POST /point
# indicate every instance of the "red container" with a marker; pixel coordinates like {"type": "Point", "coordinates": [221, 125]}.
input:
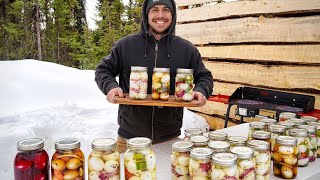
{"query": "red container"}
{"type": "Point", "coordinates": [32, 161]}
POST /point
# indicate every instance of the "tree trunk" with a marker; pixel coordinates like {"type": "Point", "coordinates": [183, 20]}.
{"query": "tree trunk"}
{"type": "Point", "coordinates": [38, 31]}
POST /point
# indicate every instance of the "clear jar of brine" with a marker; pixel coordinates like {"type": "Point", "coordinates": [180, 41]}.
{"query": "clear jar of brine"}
{"type": "Point", "coordinates": [284, 116]}
{"type": "Point", "coordinates": [317, 126]}
{"type": "Point", "coordinates": [313, 141]}
{"type": "Point", "coordinates": [246, 163]}
{"type": "Point", "coordinates": [262, 158]}
{"type": "Point", "coordinates": [138, 82]}
{"type": "Point", "coordinates": [104, 160]}
{"type": "Point", "coordinates": [189, 132]}
{"type": "Point", "coordinates": [285, 157]}
{"type": "Point", "coordinates": [303, 144]}
{"type": "Point", "coordinates": [255, 126]}
{"type": "Point", "coordinates": [224, 166]}
{"type": "Point", "coordinates": [199, 141]}
{"type": "Point", "coordinates": [200, 163]}
{"type": "Point", "coordinates": [217, 136]}
{"type": "Point", "coordinates": [180, 158]}
{"type": "Point", "coordinates": [161, 83]}
{"type": "Point", "coordinates": [184, 85]}
{"type": "Point", "coordinates": [219, 146]}
{"type": "Point", "coordinates": [276, 130]}
{"type": "Point", "coordinates": [139, 159]}
{"type": "Point", "coordinates": [237, 141]}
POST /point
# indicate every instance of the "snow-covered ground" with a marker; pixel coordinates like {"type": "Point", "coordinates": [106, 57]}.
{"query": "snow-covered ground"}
{"type": "Point", "coordinates": [51, 101]}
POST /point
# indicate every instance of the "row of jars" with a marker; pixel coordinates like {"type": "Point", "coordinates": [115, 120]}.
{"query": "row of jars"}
{"type": "Point", "coordinates": [161, 83]}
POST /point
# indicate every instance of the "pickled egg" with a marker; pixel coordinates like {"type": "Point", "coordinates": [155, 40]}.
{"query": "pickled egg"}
{"type": "Point", "coordinates": [187, 97]}
{"type": "Point", "coordinates": [302, 148]}
{"type": "Point", "coordinates": [146, 175]}
{"type": "Point", "coordinates": [277, 156]}
{"type": "Point", "coordinates": [128, 156]}
{"type": "Point", "coordinates": [194, 164]}
{"type": "Point", "coordinates": [58, 164]}
{"type": "Point", "coordinates": [182, 170]}
{"type": "Point", "coordinates": [246, 163]}
{"type": "Point", "coordinates": [262, 169]}
{"type": "Point", "coordinates": [111, 156]}
{"type": "Point", "coordinates": [111, 166]}
{"type": "Point", "coordinates": [164, 96]}
{"type": "Point", "coordinates": [217, 174]}
{"type": "Point", "coordinates": [291, 161]}
{"type": "Point", "coordinates": [231, 170]}
{"type": "Point", "coordinates": [134, 76]}
{"type": "Point", "coordinates": [94, 175]}
{"type": "Point", "coordinates": [73, 163]}
{"type": "Point", "coordinates": [142, 95]}
{"type": "Point", "coordinates": [96, 154]}
{"type": "Point", "coordinates": [70, 174]}
{"type": "Point", "coordinates": [286, 149]}
{"type": "Point", "coordinates": [144, 76]}
{"type": "Point", "coordinates": [286, 172]}
{"type": "Point", "coordinates": [165, 78]}
{"type": "Point", "coordinates": [158, 75]}
{"type": "Point", "coordinates": [262, 158]}
{"type": "Point", "coordinates": [186, 177]}
{"type": "Point", "coordinates": [96, 163]}
{"type": "Point", "coordinates": [131, 167]}
{"type": "Point", "coordinates": [183, 160]}
{"type": "Point", "coordinates": [174, 160]}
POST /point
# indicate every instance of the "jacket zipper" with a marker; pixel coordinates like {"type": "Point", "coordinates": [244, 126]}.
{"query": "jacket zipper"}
{"type": "Point", "coordinates": [156, 48]}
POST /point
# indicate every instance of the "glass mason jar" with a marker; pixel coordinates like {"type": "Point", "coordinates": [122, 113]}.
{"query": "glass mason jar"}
{"type": "Point", "coordinates": [284, 116]}
{"type": "Point", "coordinates": [285, 157]}
{"type": "Point", "coordinates": [303, 144]}
{"type": "Point", "coordinates": [199, 141]}
{"type": "Point", "coordinates": [268, 122]}
{"type": "Point", "coordinates": [161, 83]}
{"type": "Point", "coordinates": [245, 162]}
{"type": "Point", "coordinates": [139, 159]}
{"type": "Point", "coordinates": [261, 135]}
{"type": "Point", "coordinates": [138, 82]}
{"type": "Point", "coordinates": [297, 121]}
{"type": "Point", "coordinates": [288, 125]}
{"type": "Point", "coordinates": [237, 141]}
{"type": "Point", "coordinates": [313, 141]}
{"type": "Point", "coordinates": [217, 136]}
{"type": "Point", "coordinates": [200, 163]}
{"type": "Point", "coordinates": [104, 160]}
{"type": "Point", "coordinates": [219, 146]}
{"type": "Point", "coordinates": [189, 132]}
{"type": "Point", "coordinates": [224, 166]}
{"type": "Point", "coordinates": [262, 157]}
{"type": "Point", "coordinates": [180, 158]}
{"type": "Point", "coordinates": [31, 161]}
{"type": "Point", "coordinates": [317, 125]}
{"type": "Point", "coordinates": [309, 119]}
{"type": "Point", "coordinates": [68, 160]}
{"type": "Point", "coordinates": [184, 85]}
{"type": "Point", "coordinates": [255, 126]}
{"type": "Point", "coordinates": [276, 130]}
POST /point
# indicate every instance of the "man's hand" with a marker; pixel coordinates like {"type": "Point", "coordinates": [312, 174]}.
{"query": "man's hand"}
{"type": "Point", "coordinates": [114, 92]}
{"type": "Point", "coordinates": [200, 97]}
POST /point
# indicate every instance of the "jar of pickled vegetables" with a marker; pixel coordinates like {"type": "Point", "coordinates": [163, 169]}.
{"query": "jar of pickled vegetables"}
{"type": "Point", "coordinates": [199, 141]}
{"type": "Point", "coordinates": [104, 160]}
{"type": "Point", "coordinates": [224, 166]}
{"type": "Point", "coordinates": [180, 158]}
{"type": "Point", "coordinates": [68, 160]}
{"type": "Point", "coordinates": [288, 125]}
{"type": "Point", "coordinates": [284, 116]}
{"type": "Point", "coordinates": [262, 157]}
{"type": "Point", "coordinates": [255, 126]}
{"type": "Point", "coordinates": [217, 136]}
{"type": "Point", "coordinates": [189, 132]}
{"type": "Point", "coordinates": [297, 121]}
{"type": "Point", "coordinates": [237, 141]}
{"type": "Point", "coordinates": [200, 163]}
{"type": "Point", "coordinates": [303, 144]}
{"type": "Point", "coordinates": [139, 159]}
{"type": "Point", "coordinates": [268, 122]}
{"type": "Point", "coordinates": [276, 130]}
{"type": "Point", "coordinates": [313, 141]}
{"type": "Point", "coordinates": [309, 119]}
{"type": "Point", "coordinates": [317, 126]}
{"type": "Point", "coordinates": [31, 161]}
{"type": "Point", "coordinates": [161, 83]}
{"type": "Point", "coordinates": [184, 85]}
{"type": "Point", "coordinates": [245, 162]}
{"type": "Point", "coordinates": [285, 157]}
{"type": "Point", "coordinates": [219, 146]}
{"type": "Point", "coordinates": [138, 82]}
{"type": "Point", "coordinates": [261, 135]}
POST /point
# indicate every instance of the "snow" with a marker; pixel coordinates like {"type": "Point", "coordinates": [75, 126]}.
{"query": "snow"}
{"type": "Point", "coordinates": [51, 101]}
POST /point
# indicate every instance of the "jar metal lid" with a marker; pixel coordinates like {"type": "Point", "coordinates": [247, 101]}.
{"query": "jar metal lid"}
{"type": "Point", "coordinates": [155, 69]}
{"type": "Point", "coordinates": [277, 128]}
{"type": "Point", "coordinates": [242, 152]}
{"type": "Point", "coordinates": [261, 135]}
{"type": "Point", "coordinates": [199, 140]}
{"type": "Point", "coordinates": [217, 135]}
{"type": "Point", "coordinates": [138, 68]}
{"type": "Point", "coordinates": [103, 144]}
{"type": "Point", "coordinates": [298, 132]}
{"type": "Point", "coordinates": [185, 71]}
{"type": "Point", "coordinates": [260, 125]}
{"type": "Point", "coordinates": [287, 124]}
{"type": "Point", "coordinates": [309, 119]}
{"type": "Point", "coordinates": [219, 145]}
{"type": "Point", "coordinates": [311, 129]}
{"type": "Point", "coordinates": [30, 144]}
{"type": "Point", "coordinates": [259, 145]}
{"type": "Point", "coordinates": [182, 146]}
{"type": "Point", "coordinates": [224, 159]}
{"type": "Point", "coordinates": [315, 124]}
{"type": "Point", "coordinates": [201, 153]}
{"type": "Point", "coordinates": [268, 121]}
{"type": "Point", "coordinates": [288, 115]}
{"type": "Point", "coordinates": [297, 121]}
{"type": "Point", "coordinates": [286, 140]}
{"type": "Point", "coordinates": [235, 139]}
{"type": "Point", "coordinates": [192, 131]}
{"type": "Point", "coordinates": [67, 144]}
{"type": "Point", "coordinates": [139, 143]}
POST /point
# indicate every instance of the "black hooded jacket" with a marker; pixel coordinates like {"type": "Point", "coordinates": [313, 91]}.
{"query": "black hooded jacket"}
{"type": "Point", "coordinates": [158, 123]}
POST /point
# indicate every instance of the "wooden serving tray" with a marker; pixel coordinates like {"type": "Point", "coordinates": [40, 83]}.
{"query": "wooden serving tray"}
{"type": "Point", "coordinates": [150, 102]}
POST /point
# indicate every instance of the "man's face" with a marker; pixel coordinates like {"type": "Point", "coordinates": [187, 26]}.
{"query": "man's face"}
{"type": "Point", "coordinates": [159, 19]}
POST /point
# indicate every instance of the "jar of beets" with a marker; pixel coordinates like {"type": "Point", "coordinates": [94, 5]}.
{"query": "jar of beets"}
{"type": "Point", "coordinates": [32, 161]}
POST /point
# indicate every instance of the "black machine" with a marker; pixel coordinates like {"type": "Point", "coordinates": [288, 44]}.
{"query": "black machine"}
{"type": "Point", "coordinates": [250, 100]}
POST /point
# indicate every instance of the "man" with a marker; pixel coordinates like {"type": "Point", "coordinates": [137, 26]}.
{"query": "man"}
{"type": "Point", "coordinates": [154, 46]}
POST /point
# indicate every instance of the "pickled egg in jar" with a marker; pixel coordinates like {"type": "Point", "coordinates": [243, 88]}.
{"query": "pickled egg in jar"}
{"type": "Point", "coordinates": [288, 125]}
{"type": "Point", "coordinates": [262, 157]}
{"type": "Point", "coordinates": [224, 166]}
{"type": "Point", "coordinates": [317, 125]}
{"type": "Point", "coordinates": [138, 82]}
{"type": "Point", "coordinates": [199, 141]}
{"type": "Point", "coordinates": [219, 146]}
{"type": "Point", "coordinates": [284, 116]}
{"type": "Point", "coordinates": [104, 160]}
{"type": "Point", "coordinates": [285, 162]}
{"type": "Point", "coordinates": [68, 160]}
{"type": "Point", "coordinates": [217, 136]}
{"type": "Point", "coordinates": [139, 159]}
{"type": "Point", "coordinates": [246, 163]}
{"type": "Point", "coordinates": [313, 141]}
{"type": "Point", "coordinates": [237, 141]}
{"type": "Point", "coordinates": [31, 161]}
{"type": "Point", "coordinates": [200, 163]}
{"type": "Point", "coordinates": [184, 85]}
{"type": "Point", "coordinates": [161, 83]}
{"type": "Point", "coordinates": [189, 132]}
{"type": "Point", "coordinates": [303, 144]}
{"type": "Point", "coordinates": [276, 130]}
{"type": "Point", "coordinates": [180, 158]}
{"type": "Point", "coordinates": [255, 126]}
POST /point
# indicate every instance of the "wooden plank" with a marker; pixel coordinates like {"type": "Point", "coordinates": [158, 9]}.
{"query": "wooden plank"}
{"type": "Point", "coordinates": [244, 8]}
{"type": "Point", "coordinates": [244, 30]}
{"type": "Point", "coordinates": [215, 122]}
{"type": "Point", "coordinates": [278, 76]}
{"type": "Point", "coordinates": [182, 3]}
{"type": "Point", "coordinates": [298, 53]}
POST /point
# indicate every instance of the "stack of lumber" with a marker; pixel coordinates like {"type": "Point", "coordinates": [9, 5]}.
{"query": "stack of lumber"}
{"type": "Point", "coordinates": [273, 44]}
